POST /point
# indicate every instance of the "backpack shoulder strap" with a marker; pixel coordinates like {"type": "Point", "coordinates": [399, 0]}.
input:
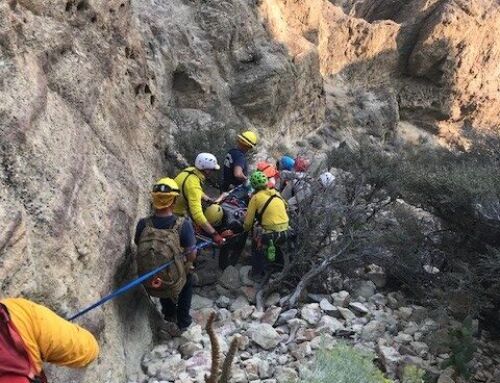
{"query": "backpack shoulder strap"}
{"type": "Point", "coordinates": [179, 221]}
{"type": "Point", "coordinates": [260, 214]}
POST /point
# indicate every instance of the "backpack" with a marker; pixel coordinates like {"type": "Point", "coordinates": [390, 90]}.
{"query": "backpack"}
{"type": "Point", "coordinates": [15, 363]}
{"type": "Point", "coordinates": [155, 248]}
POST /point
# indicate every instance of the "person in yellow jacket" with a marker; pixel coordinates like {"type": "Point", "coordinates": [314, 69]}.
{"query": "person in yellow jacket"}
{"type": "Point", "coordinates": [37, 334]}
{"type": "Point", "coordinates": [190, 182]}
{"type": "Point", "coordinates": [268, 209]}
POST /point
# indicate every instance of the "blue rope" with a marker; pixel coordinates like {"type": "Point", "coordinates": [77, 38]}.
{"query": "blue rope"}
{"type": "Point", "coordinates": [132, 284]}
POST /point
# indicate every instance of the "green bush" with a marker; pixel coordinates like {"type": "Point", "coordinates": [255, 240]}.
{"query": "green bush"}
{"type": "Point", "coordinates": [412, 374]}
{"type": "Point", "coordinates": [460, 189]}
{"type": "Point", "coordinates": [345, 364]}
{"type": "Point", "coordinates": [461, 342]}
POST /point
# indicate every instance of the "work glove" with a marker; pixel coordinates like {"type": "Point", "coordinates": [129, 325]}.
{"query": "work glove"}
{"type": "Point", "coordinates": [218, 239]}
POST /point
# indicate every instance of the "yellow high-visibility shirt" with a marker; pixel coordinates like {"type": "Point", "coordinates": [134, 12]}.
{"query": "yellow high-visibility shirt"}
{"type": "Point", "coordinates": [275, 217]}
{"type": "Point", "coordinates": [189, 202]}
{"type": "Point", "coordinates": [50, 338]}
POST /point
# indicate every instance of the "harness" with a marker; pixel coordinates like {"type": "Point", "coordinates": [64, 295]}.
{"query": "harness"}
{"type": "Point", "coordinates": [260, 214]}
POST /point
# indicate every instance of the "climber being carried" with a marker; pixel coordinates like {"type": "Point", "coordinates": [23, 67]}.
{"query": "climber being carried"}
{"type": "Point", "coordinates": [227, 219]}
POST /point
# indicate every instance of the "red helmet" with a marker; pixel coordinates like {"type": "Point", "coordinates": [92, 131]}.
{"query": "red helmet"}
{"type": "Point", "coordinates": [301, 164]}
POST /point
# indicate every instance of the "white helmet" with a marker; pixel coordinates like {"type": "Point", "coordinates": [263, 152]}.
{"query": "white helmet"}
{"type": "Point", "coordinates": [327, 179]}
{"type": "Point", "coordinates": [206, 161]}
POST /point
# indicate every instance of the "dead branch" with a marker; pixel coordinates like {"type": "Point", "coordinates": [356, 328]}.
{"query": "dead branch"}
{"type": "Point", "coordinates": [214, 342]}
{"type": "Point", "coordinates": [314, 272]}
{"type": "Point", "coordinates": [228, 361]}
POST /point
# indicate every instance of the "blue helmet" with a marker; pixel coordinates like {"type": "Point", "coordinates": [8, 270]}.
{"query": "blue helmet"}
{"type": "Point", "coordinates": [286, 163]}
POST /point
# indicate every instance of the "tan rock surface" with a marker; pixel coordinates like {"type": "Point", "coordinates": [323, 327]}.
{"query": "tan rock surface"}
{"type": "Point", "coordinates": [92, 94]}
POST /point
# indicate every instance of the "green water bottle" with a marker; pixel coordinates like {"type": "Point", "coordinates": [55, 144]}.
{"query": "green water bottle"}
{"type": "Point", "coordinates": [271, 251]}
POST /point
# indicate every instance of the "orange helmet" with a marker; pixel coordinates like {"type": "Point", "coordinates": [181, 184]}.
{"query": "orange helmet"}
{"type": "Point", "coordinates": [268, 169]}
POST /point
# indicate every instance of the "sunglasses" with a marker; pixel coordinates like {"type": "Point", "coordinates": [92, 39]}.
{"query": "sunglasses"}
{"type": "Point", "coordinates": [161, 188]}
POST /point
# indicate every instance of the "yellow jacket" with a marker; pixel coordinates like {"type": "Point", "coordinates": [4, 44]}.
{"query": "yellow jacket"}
{"type": "Point", "coordinates": [192, 192]}
{"type": "Point", "coordinates": [50, 338]}
{"type": "Point", "coordinates": [275, 217]}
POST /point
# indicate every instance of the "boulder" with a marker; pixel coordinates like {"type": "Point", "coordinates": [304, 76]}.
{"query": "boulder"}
{"type": "Point", "coordinates": [250, 293]}
{"type": "Point", "coordinates": [230, 278]}
{"type": "Point", "coordinates": [251, 368]}
{"type": "Point", "coordinates": [238, 375]}
{"type": "Point", "coordinates": [198, 302]}
{"type": "Point", "coordinates": [373, 330]}
{"type": "Point", "coordinates": [324, 341]}
{"type": "Point", "coordinates": [421, 348]}
{"type": "Point", "coordinates": [405, 312]}
{"type": "Point", "coordinates": [300, 351]}
{"type": "Point", "coordinates": [272, 300]}
{"type": "Point", "coordinates": [239, 303]}
{"type": "Point", "coordinates": [223, 302]}
{"type": "Point", "coordinates": [171, 368]}
{"type": "Point", "coordinates": [264, 335]}
{"type": "Point", "coordinates": [332, 325]}
{"type": "Point", "coordinates": [188, 349]}
{"type": "Point", "coordinates": [347, 314]}
{"type": "Point", "coordinates": [358, 308]}
{"type": "Point", "coordinates": [306, 334]}
{"type": "Point", "coordinates": [271, 315]}
{"type": "Point", "coordinates": [377, 275]}
{"type": "Point", "coordinates": [390, 359]}
{"type": "Point", "coordinates": [365, 289]}
{"type": "Point", "coordinates": [378, 299]}
{"type": "Point", "coordinates": [285, 316]}
{"type": "Point", "coordinates": [395, 300]}
{"type": "Point", "coordinates": [243, 313]}
{"type": "Point", "coordinates": [341, 299]}
{"type": "Point", "coordinates": [265, 369]}
{"type": "Point", "coordinates": [329, 309]}
{"type": "Point", "coordinates": [192, 334]}
{"type": "Point", "coordinates": [286, 375]}
{"type": "Point", "coordinates": [311, 313]}
{"type": "Point", "coordinates": [403, 338]}
{"type": "Point", "coordinates": [199, 363]}
{"type": "Point", "coordinates": [244, 278]}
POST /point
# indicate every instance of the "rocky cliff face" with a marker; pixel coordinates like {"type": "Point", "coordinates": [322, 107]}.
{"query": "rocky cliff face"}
{"type": "Point", "coordinates": [92, 93]}
{"type": "Point", "coordinates": [433, 63]}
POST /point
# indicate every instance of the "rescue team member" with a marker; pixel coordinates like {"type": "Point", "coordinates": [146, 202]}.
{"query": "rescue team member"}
{"type": "Point", "coordinates": [191, 193]}
{"type": "Point", "coordinates": [235, 163]}
{"type": "Point", "coordinates": [268, 210]}
{"type": "Point", "coordinates": [31, 334]}
{"type": "Point", "coordinates": [164, 194]}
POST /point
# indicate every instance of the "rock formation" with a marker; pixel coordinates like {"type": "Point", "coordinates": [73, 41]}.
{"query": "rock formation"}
{"type": "Point", "coordinates": [93, 93]}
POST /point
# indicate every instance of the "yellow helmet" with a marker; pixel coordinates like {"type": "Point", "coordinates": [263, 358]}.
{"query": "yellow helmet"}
{"type": "Point", "coordinates": [214, 214]}
{"type": "Point", "coordinates": [164, 192]}
{"type": "Point", "coordinates": [248, 138]}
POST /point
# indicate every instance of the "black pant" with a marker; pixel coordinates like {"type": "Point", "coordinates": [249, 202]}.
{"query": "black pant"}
{"type": "Point", "coordinates": [260, 264]}
{"type": "Point", "coordinates": [181, 309]}
{"type": "Point", "coordinates": [229, 254]}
